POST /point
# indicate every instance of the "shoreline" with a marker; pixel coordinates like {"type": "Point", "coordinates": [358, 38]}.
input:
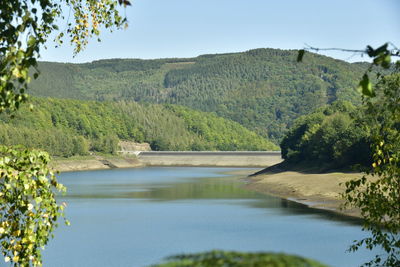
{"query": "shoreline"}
{"type": "Point", "coordinates": [91, 163]}
{"type": "Point", "coordinates": [315, 190]}
{"type": "Point", "coordinates": [94, 164]}
{"type": "Point", "coordinates": [252, 159]}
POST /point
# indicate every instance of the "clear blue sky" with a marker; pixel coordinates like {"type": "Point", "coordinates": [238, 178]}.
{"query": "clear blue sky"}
{"type": "Point", "coordinates": [188, 28]}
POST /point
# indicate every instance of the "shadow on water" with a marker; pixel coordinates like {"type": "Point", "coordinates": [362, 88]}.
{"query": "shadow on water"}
{"type": "Point", "coordinates": [225, 188]}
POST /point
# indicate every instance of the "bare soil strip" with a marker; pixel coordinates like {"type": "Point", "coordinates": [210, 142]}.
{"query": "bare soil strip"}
{"type": "Point", "coordinates": [317, 190]}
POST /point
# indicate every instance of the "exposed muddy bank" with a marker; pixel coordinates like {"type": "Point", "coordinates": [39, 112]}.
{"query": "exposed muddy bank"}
{"type": "Point", "coordinates": [172, 158]}
{"type": "Point", "coordinates": [317, 190]}
{"type": "Point", "coordinates": [211, 159]}
{"type": "Point", "coordinates": [95, 163]}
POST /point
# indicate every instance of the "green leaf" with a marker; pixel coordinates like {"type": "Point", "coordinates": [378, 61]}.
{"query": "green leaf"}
{"type": "Point", "coordinates": [365, 86]}
{"type": "Point", "coordinates": [300, 55]}
{"type": "Point", "coordinates": [370, 51]}
{"type": "Point", "coordinates": [386, 61]}
{"type": "Point", "coordinates": [375, 52]}
{"type": "Point", "coordinates": [381, 49]}
{"type": "Point", "coordinates": [31, 41]}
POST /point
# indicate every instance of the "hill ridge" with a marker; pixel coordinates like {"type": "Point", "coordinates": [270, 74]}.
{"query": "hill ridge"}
{"type": "Point", "coordinates": [263, 89]}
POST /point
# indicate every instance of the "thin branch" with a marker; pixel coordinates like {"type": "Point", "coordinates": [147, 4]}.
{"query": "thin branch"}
{"type": "Point", "coordinates": [394, 52]}
{"type": "Point", "coordinates": [308, 47]}
{"type": "Point", "coordinates": [394, 47]}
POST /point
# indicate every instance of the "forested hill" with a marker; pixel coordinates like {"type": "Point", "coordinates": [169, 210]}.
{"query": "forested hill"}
{"type": "Point", "coordinates": [75, 127]}
{"type": "Point", "coordinates": [331, 137]}
{"type": "Point", "coordinates": [262, 89]}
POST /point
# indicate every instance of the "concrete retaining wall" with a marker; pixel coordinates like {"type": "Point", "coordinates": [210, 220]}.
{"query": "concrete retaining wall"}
{"type": "Point", "coordinates": [210, 158]}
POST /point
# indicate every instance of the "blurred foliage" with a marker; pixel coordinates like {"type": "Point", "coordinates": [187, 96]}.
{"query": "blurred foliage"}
{"type": "Point", "coordinates": [28, 208]}
{"type": "Point", "coordinates": [377, 193]}
{"type": "Point", "coordinates": [29, 211]}
{"type": "Point", "coordinates": [219, 258]}
{"type": "Point", "coordinates": [26, 25]}
{"type": "Point", "coordinates": [384, 59]}
{"type": "Point", "coordinates": [378, 197]}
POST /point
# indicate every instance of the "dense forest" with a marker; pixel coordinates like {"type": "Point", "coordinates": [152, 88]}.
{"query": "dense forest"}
{"type": "Point", "coordinates": [330, 137]}
{"type": "Point", "coordinates": [74, 127]}
{"type": "Point", "coordinates": [265, 90]}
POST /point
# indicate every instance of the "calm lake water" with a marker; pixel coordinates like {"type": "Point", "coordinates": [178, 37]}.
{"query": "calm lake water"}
{"type": "Point", "coordinates": [137, 217]}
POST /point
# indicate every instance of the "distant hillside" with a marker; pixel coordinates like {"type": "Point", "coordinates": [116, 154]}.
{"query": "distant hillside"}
{"type": "Point", "coordinates": [262, 89]}
{"type": "Point", "coordinates": [75, 127]}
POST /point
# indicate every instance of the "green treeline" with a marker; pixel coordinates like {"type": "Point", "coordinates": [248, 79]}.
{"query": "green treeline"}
{"type": "Point", "coordinates": [73, 127]}
{"type": "Point", "coordinates": [265, 90]}
{"type": "Point", "coordinates": [331, 136]}
{"type": "Point", "coordinates": [223, 134]}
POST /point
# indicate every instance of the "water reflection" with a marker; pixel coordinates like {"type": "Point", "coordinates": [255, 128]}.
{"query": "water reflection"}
{"type": "Point", "coordinates": [170, 186]}
{"type": "Point", "coordinates": [136, 217]}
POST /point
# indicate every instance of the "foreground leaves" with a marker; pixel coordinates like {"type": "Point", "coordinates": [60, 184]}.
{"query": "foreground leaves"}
{"type": "Point", "coordinates": [218, 258]}
{"type": "Point", "coordinates": [26, 25]}
{"type": "Point", "coordinates": [28, 209]}
{"type": "Point", "coordinates": [382, 57]}
{"type": "Point", "coordinates": [378, 197]}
